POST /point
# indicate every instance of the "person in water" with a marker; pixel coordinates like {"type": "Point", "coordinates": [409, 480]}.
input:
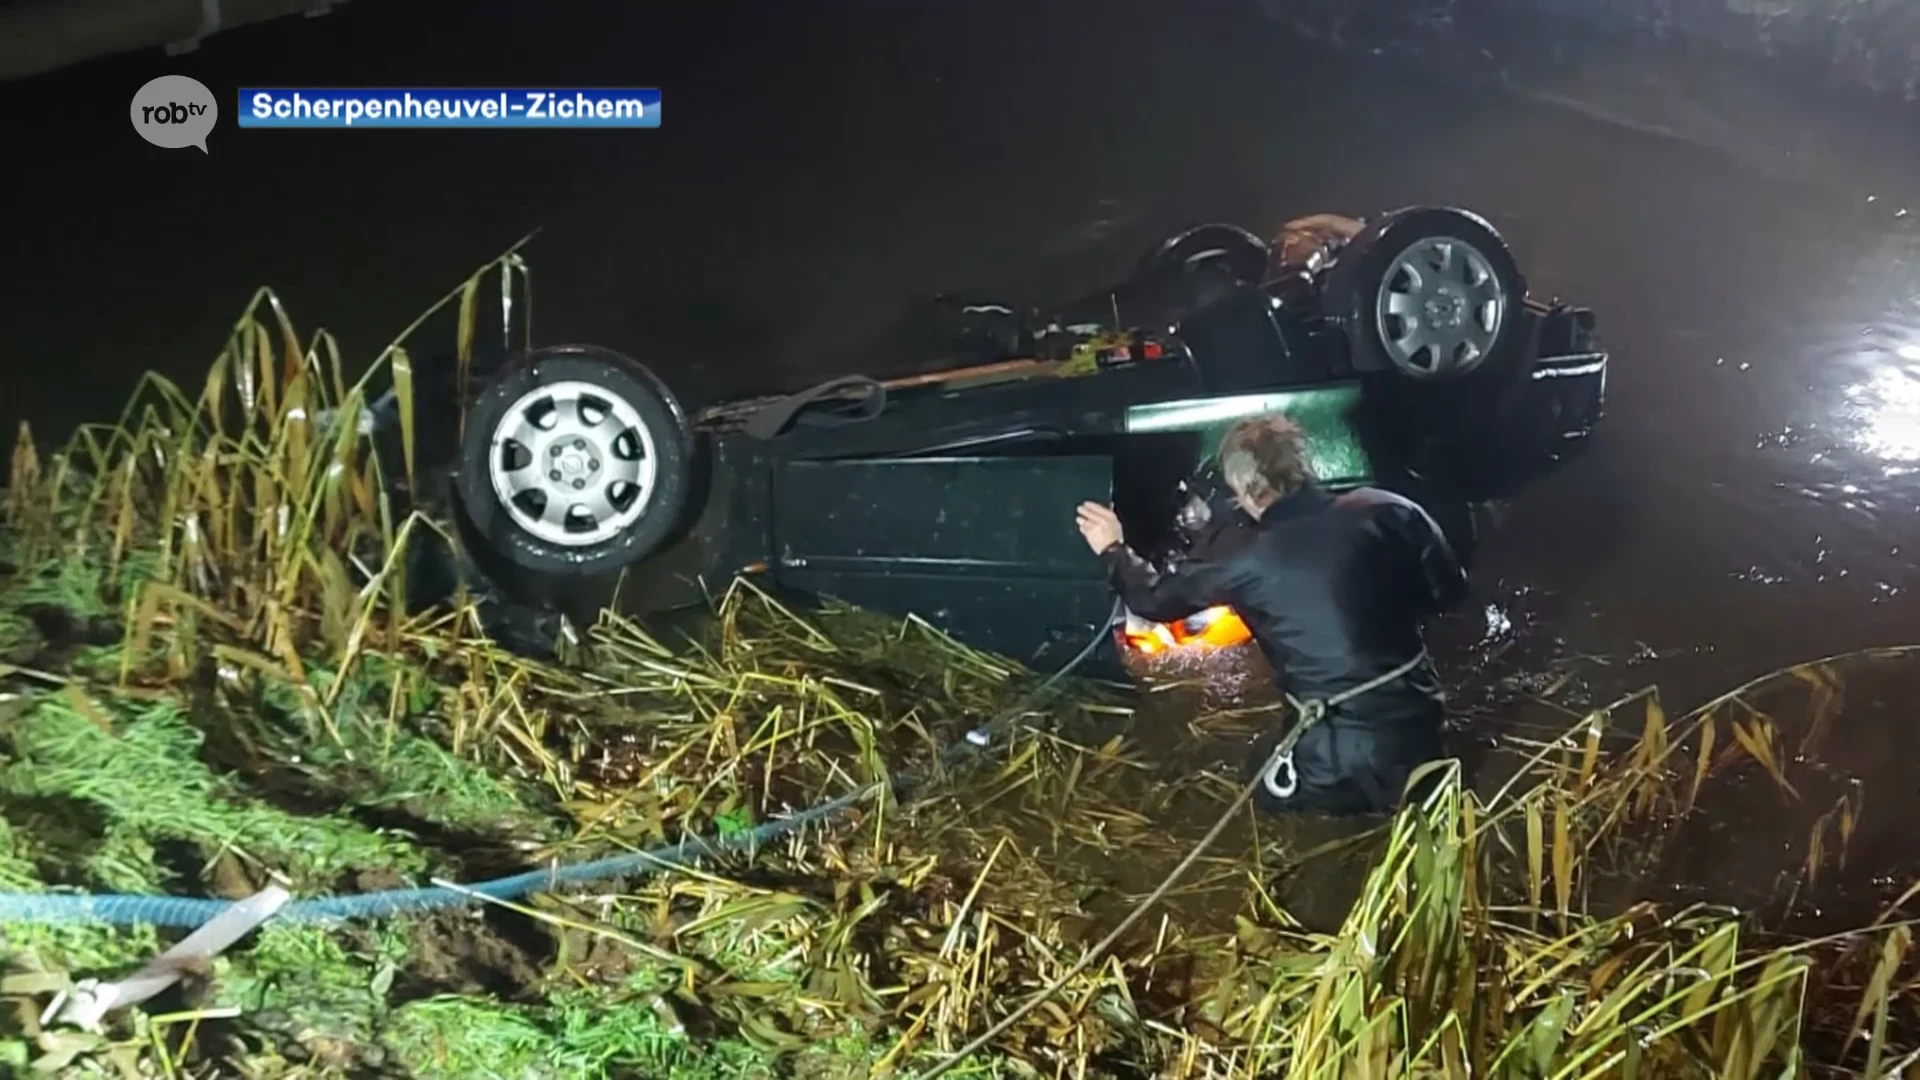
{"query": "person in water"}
{"type": "Point", "coordinates": [1334, 589]}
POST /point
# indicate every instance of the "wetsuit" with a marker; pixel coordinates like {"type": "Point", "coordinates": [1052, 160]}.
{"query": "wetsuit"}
{"type": "Point", "coordinates": [1333, 588]}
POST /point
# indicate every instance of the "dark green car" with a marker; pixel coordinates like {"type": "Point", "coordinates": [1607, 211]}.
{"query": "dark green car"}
{"type": "Point", "coordinates": [1406, 346]}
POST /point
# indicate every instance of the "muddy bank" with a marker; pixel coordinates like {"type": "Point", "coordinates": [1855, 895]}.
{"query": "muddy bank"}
{"type": "Point", "coordinates": [1864, 45]}
{"type": "Point", "coordinates": [1872, 45]}
{"type": "Point", "coordinates": [1816, 92]}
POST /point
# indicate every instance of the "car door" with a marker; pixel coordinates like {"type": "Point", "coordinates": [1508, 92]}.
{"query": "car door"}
{"type": "Point", "coordinates": [983, 547]}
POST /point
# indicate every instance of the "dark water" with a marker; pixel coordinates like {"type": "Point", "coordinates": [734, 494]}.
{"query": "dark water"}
{"type": "Point", "coordinates": [1753, 501]}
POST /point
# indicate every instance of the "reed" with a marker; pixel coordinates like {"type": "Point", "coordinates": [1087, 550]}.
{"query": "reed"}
{"type": "Point", "coordinates": [262, 703]}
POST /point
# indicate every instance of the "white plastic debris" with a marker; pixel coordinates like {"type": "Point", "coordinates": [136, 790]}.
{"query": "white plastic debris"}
{"type": "Point", "coordinates": [89, 1001]}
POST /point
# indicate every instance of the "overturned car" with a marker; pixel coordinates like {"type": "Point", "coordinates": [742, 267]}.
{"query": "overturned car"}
{"type": "Point", "coordinates": [1405, 346]}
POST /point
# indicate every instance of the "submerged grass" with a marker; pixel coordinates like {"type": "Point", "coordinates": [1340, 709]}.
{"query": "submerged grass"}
{"type": "Point", "coordinates": [212, 679]}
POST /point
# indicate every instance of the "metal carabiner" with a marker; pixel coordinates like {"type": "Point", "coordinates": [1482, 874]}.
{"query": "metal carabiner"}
{"type": "Point", "coordinates": [1271, 778]}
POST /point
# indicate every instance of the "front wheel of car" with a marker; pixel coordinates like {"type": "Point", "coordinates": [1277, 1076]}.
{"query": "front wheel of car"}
{"type": "Point", "coordinates": [576, 460]}
{"type": "Point", "coordinates": [1430, 295]}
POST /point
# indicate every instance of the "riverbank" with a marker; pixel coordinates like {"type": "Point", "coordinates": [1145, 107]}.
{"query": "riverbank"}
{"type": "Point", "coordinates": [1868, 46]}
{"type": "Point", "coordinates": [1812, 92]}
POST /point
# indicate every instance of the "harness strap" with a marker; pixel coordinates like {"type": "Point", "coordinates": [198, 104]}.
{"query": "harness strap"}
{"type": "Point", "coordinates": [1312, 711]}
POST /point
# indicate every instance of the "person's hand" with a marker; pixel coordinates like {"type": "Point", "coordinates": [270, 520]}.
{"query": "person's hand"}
{"type": "Point", "coordinates": [1100, 526]}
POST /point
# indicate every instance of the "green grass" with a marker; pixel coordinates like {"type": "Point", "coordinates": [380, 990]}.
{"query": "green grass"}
{"type": "Point", "coordinates": [574, 1033]}
{"type": "Point", "coordinates": [137, 766]}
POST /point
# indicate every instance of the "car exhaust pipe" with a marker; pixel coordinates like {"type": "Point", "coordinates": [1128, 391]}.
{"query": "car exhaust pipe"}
{"type": "Point", "coordinates": [36, 38]}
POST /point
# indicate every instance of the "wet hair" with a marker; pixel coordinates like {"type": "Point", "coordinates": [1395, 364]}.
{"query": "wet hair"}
{"type": "Point", "coordinates": [1263, 459]}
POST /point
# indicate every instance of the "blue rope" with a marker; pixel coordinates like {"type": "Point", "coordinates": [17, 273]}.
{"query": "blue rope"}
{"type": "Point", "coordinates": [127, 909]}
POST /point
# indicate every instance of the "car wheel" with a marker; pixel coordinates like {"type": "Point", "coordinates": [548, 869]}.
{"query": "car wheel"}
{"type": "Point", "coordinates": [1429, 294]}
{"type": "Point", "coordinates": [576, 460]}
{"type": "Point", "coordinates": [1241, 253]}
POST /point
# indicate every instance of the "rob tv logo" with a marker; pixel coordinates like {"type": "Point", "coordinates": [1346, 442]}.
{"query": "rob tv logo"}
{"type": "Point", "coordinates": [174, 111]}
{"type": "Point", "coordinates": [171, 113]}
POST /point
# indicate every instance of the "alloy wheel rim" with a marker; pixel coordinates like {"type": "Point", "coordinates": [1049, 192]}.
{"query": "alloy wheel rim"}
{"type": "Point", "coordinates": [572, 463]}
{"type": "Point", "coordinates": [1440, 308]}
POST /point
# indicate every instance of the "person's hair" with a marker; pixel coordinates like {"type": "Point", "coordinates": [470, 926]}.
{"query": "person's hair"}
{"type": "Point", "coordinates": [1264, 459]}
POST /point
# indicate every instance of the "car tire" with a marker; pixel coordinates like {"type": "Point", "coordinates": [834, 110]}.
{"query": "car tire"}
{"type": "Point", "coordinates": [1241, 253]}
{"type": "Point", "coordinates": [619, 445]}
{"type": "Point", "coordinates": [1429, 295]}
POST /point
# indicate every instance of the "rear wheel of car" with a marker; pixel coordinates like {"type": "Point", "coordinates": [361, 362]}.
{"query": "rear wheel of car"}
{"type": "Point", "coordinates": [1242, 254]}
{"type": "Point", "coordinates": [1431, 295]}
{"type": "Point", "coordinates": [1432, 303]}
{"type": "Point", "coordinates": [575, 460]}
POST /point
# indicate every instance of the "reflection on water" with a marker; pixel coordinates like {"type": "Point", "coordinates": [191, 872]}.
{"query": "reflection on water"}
{"type": "Point", "coordinates": [1883, 410]}
{"type": "Point", "coordinates": [1848, 418]}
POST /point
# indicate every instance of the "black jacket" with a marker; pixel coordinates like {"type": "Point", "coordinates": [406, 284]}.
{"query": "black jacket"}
{"type": "Point", "coordinates": [1333, 588]}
